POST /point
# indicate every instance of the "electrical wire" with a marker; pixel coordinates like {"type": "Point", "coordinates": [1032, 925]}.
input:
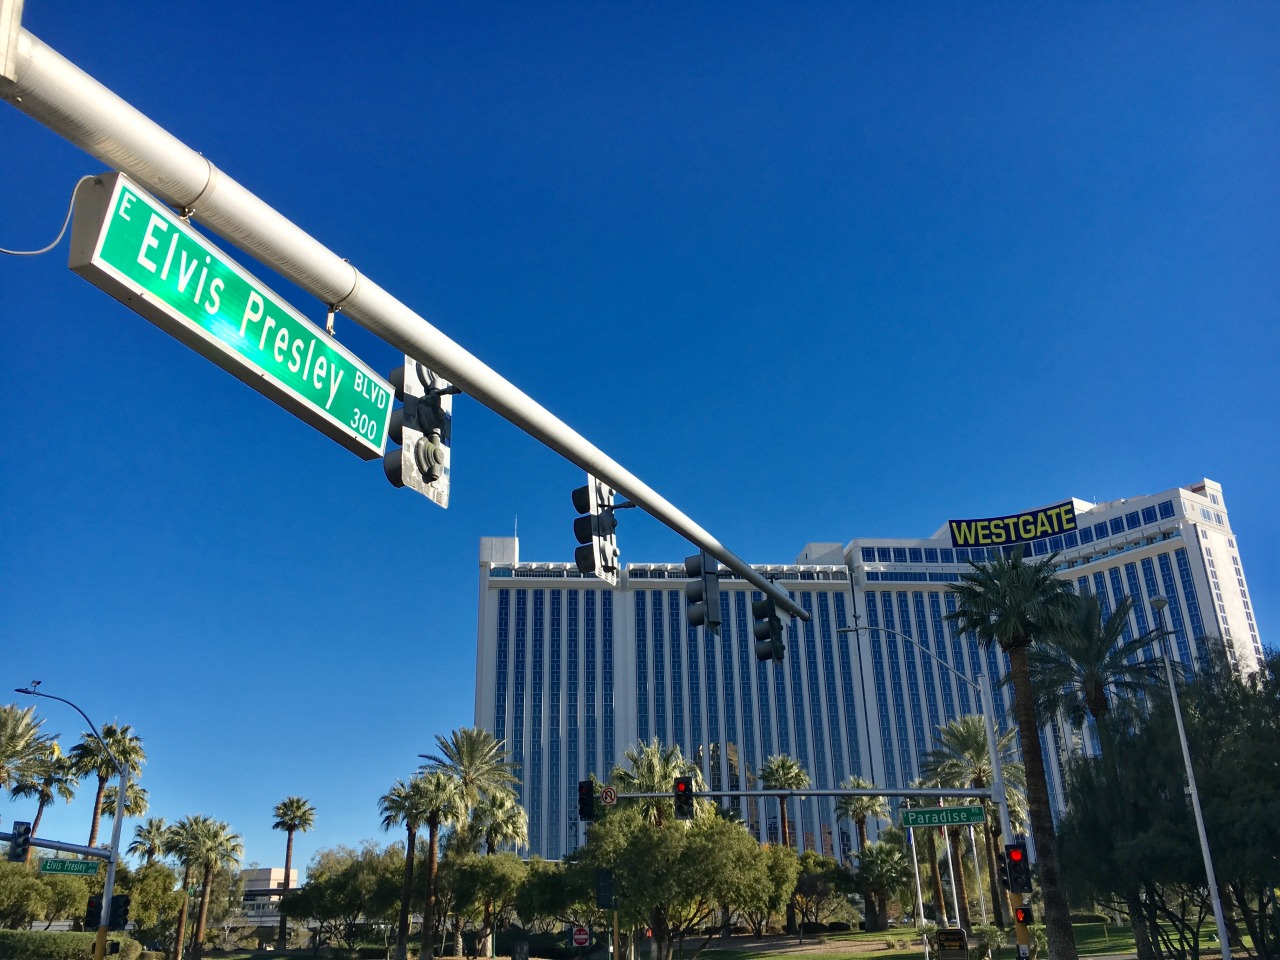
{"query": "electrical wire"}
{"type": "Point", "coordinates": [65, 223]}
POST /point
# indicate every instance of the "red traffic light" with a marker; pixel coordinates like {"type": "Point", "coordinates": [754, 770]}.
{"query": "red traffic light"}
{"type": "Point", "coordinates": [1017, 854]}
{"type": "Point", "coordinates": [682, 786]}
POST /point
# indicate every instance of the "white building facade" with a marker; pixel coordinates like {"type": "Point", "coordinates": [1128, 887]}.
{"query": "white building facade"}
{"type": "Point", "coordinates": [571, 672]}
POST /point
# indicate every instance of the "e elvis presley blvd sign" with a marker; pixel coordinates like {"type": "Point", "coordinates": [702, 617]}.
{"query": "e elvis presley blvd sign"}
{"type": "Point", "coordinates": [131, 245]}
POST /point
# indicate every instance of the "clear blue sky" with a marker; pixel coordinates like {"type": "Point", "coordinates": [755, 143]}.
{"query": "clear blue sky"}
{"type": "Point", "coordinates": [812, 271]}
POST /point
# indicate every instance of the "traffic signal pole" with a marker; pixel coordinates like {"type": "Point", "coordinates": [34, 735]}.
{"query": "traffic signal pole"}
{"type": "Point", "coordinates": [56, 93]}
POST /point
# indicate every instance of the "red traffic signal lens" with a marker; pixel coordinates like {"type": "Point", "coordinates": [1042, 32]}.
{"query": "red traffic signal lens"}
{"type": "Point", "coordinates": [1016, 854]}
{"type": "Point", "coordinates": [681, 786]}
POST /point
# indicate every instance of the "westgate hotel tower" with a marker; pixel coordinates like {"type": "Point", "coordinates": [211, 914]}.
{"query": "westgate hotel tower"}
{"type": "Point", "coordinates": [571, 672]}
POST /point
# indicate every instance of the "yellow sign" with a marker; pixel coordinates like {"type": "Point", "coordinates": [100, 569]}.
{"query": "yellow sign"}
{"type": "Point", "coordinates": [1018, 528]}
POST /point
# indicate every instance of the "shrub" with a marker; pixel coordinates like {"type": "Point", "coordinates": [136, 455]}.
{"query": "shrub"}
{"type": "Point", "coordinates": [43, 945]}
{"type": "Point", "coordinates": [151, 955]}
{"type": "Point", "coordinates": [838, 926]}
{"type": "Point", "coordinates": [1091, 918]}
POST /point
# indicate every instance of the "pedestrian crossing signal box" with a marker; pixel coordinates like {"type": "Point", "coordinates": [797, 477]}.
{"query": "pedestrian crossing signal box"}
{"type": "Point", "coordinates": [952, 945]}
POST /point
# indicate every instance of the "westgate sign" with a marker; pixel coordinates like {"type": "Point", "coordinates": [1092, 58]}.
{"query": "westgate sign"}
{"type": "Point", "coordinates": [131, 245]}
{"type": "Point", "coordinates": [1017, 528]}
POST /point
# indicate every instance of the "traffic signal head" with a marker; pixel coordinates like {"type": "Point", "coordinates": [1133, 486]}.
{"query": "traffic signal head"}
{"type": "Point", "coordinates": [703, 591]}
{"type": "Point", "coordinates": [1002, 869]}
{"type": "Point", "coordinates": [93, 914]}
{"type": "Point", "coordinates": [20, 845]}
{"type": "Point", "coordinates": [119, 912]}
{"type": "Point", "coordinates": [423, 427]}
{"type": "Point", "coordinates": [586, 801]}
{"type": "Point", "coordinates": [1019, 867]}
{"type": "Point", "coordinates": [1024, 916]}
{"type": "Point", "coordinates": [597, 531]}
{"type": "Point", "coordinates": [767, 630]}
{"type": "Point", "coordinates": [605, 899]}
{"type": "Point", "coordinates": [683, 792]}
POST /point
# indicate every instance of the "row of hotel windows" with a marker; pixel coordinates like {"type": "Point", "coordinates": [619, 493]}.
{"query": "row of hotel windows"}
{"type": "Point", "coordinates": [645, 574]}
{"type": "Point", "coordinates": [1100, 531]}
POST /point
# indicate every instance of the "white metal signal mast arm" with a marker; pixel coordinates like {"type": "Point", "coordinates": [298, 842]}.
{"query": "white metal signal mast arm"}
{"type": "Point", "coordinates": [56, 93]}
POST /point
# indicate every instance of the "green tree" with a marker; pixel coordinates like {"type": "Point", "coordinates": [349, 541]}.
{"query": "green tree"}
{"type": "Point", "coordinates": [345, 888]}
{"type": "Point", "coordinates": [1014, 603]}
{"type": "Point", "coordinates": [961, 758]}
{"type": "Point", "coordinates": [21, 742]}
{"type": "Point", "coordinates": [23, 898]}
{"type": "Point", "coordinates": [405, 804]}
{"type": "Point", "coordinates": [476, 760]}
{"type": "Point", "coordinates": [859, 809]}
{"type": "Point", "coordinates": [781, 772]}
{"type": "Point", "coordinates": [136, 801]}
{"type": "Point", "coordinates": [48, 776]}
{"type": "Point", "coordinates": [149, 840]}
{"type": "Point", "coordinates": [765, 900]}
{"type": "Point", "coordinates": [818, 888]}
{"type": "Point", "coordinates": [653, 768]}
{"type": "Point", "coordinates": [439, 797]}
{"type": "Point", "coordinates": [1078, 668]}
{"type": "Point", "coordinates": [882, 870]}
{"type": "Point", "coordinates": [489, 885]}
{"type": "Point", "coordinates": [499, 819]}
{"type": "Point", "coordinates": [67, 897]}
{"type": "Point", "coordinates": [154, 901]}
{"type": "Point", "coordinates": [293, 815]}
{"type": "Point", "coordinates": [183, 844]}
{"type": "Point", "coordinates": [90, 759]}
{"type": "Point", "coordinates": [216, 848]}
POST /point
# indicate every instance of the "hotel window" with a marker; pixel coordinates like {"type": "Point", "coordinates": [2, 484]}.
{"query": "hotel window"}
{"type": "Point", "coordinates": [1040, 547]}
{"type": "Point", "coordinates": [1132, 520]}
{"type": "Point", "coordinates": [1100, 530]}
{"type": "Point", "coordinates": [1148, 514]}
{"type": "Point", "coordinates": [1086, 535]}
{"type": "Point", "coordinates": [1217, 518]}
{"type": "Point", "coordinates": [916, 555]}
{"type": "Point", "coordinates": [947, 555]}
{"type": "Point", "coordinates": [1117, 525]}
{"type": "Point", "coordinates": [1070, 539]}
{"type": "Point", "coordinates": [868, 554]}
{"type": "Point", "coordinates": [884, 554]}
{"type": "Point", "coordinates": [899, 554]}
{"type": "Point", "coordinates": [962, 555]}
{"type": "Point", "coordinates": [930, 554]}
{"type": "Point", "coordinates": [1166, 509]}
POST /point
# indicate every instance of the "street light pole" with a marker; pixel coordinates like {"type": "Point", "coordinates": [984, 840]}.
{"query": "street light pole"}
{"type": "Point", "coordinates": [108, 888]}
{"type": "Point", "coordinates": [1158, 603]}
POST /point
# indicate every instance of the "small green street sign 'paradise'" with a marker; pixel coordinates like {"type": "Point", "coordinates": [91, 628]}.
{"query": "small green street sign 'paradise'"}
{"type": "Point", "coordinates": [131, 245]}
{"type": "Point", "coordinates": [942, 816]}
{"type": "Point", "coordinates": [86, 868]}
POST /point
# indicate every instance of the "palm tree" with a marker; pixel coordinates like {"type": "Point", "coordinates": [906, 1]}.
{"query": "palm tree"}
{"type": "Point", "coordinates": [882, 869]}
{"type": "Point", "coordinates": [860, 808]}
{"type": "Point", "coordinates": [476, 760]}
{"type": "Point", "coordinates": [46, 777]}
{"type": "Point", "coordinates": [961, 759]}
{"type": "Point", "coordinates": [1075, 666]}
{"type": "Point", "coordinates": [437, 799]}
{"type": "Point", "coordinates": [150, 840]}
{"type": "Point", "coordinates": [90, 759]}
{"type": "Point", "coordinates": [1014, 603]}
{"type": "Point", "coordinates": [183, 843]}
{"type": "Point", "coordinates": [293, 814]}
{"type": "Point", "coordinates": [781, 772]}
{"type": "Point", "coordinates": [404, 804]}
{"type": "Point", "coordinates": [136, 800]}
{"type": "Point", "coordinates": [21, 742]}
{"type": "Point", "coordinates": [500, 819]}
{"type": "Point", "coordinates": [1077, 669]}
{"type": "Point", "coordinates": [216, 848]}
{"type": "Point", "coordinates": [653, 768]}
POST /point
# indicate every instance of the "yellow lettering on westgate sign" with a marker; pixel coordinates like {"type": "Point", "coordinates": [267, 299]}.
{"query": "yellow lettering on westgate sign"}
{"type": "Point", "coordinates": [1018, 528]}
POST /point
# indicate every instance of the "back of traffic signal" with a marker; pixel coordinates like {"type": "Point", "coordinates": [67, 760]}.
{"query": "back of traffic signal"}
{"type": "Point", "coordinates": [20, 842]}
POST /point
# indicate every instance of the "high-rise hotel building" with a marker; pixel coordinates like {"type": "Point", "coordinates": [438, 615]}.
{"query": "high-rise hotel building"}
{"type": "Point", "coordinates": [571, 672]}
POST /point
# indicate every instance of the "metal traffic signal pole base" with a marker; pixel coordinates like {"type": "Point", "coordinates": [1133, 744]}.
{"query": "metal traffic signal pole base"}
{"type": "Point", "coordinates": [1021, 932]}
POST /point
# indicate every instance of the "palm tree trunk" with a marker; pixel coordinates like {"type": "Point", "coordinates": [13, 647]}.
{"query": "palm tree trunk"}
{"type": "Point", "coordinates": [790, 921]}
{"type": "Point", "coordinates": [97, 811]}
{"type": "Point", "coordinates": [429, 909]}
{"type": "Point", "coordinates": [35, 825]}
{"type": "Point", "coordinates": [406, 891]}
{"type": "Point", "coordinates": [181, 933]}
{"type": "Point", "coordinates": [997, 894]}
{"type": "Point", "coordinates": [962, 891]}
{"type": "Point", "coordinates": [1057, 914]}
{"type": "Point", "coordinates": [197, 941]}
{"type": "Point", "coordinates": [861, 825]}
{"type": "Point", "coordinates": [931, 854]}
{"type": "Point", "coordinates": [283, 936]}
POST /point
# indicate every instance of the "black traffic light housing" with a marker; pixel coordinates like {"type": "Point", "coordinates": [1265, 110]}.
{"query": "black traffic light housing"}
{"type": "Point", "coordinates": [119, 912]}
{"type": "Point", "coordinates": [586, 801]}
{"type": "Point", "coordinates": [1002, 869]}
{"type": "Point", "coordinates": [1018, 867]}
{"type": "Point", "coordinates": [703, 591]}
{"type": "Point", "coordinates": [93, 914]}
{"type": "Point", "coordinates": [682, 790]}
{"type": "Point", "coordinates": [20, 842]}
{"type": "Point", "coordinates": [605, 897]}
{"type": "Point", "coordinates": [767, 630]}
{"type": "Point", "coordinates": [596, 530]}
{"type": "Point", "coordinates": [1024, 916]}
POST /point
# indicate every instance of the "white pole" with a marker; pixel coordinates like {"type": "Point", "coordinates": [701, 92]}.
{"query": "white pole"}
{"type": "Point", "coordinates": [951, 868]}
{"type": "Point", "coordinates": [977, 872]}
{"type": "Point", "coordinates": [915, 864]}
{"type": "Point", "coordinates": [58, 94]}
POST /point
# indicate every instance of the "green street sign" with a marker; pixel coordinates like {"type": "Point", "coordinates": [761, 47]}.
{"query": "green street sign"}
{"type": "Point", "coordinates": [942, 816]}
{"type": "Point", "coordinates": [131, 245]}
{"type": "Point", "coordinates": [80, 867]}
